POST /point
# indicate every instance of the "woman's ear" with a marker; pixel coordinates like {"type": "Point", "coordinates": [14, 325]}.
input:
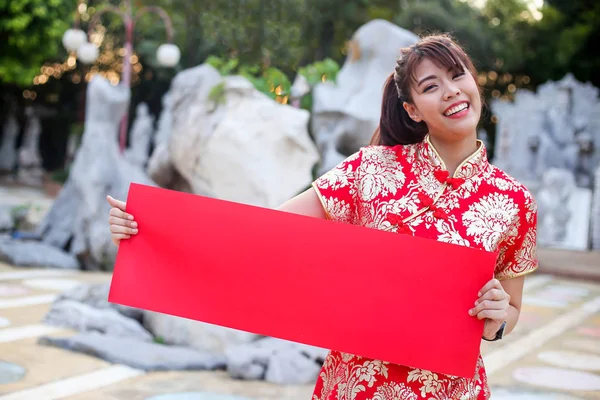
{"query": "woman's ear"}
{"type": "Point", "coordinates": [412, 111]}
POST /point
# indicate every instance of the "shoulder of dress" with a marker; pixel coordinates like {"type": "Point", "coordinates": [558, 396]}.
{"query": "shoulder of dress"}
{"type": "Point", "coordinates": [398, 150]}
{"type": "Point", "coordinates": [517, 187]}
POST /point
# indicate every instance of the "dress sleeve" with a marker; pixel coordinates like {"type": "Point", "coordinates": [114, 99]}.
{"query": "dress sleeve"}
{"type": "Point", "coordinates": [517, 253]}
{"type": "Point", "coordinates": [337, 190]}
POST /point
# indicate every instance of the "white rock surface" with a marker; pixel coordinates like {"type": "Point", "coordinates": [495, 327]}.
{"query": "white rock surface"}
{"type": "Point", "coordinates": [232, 142]}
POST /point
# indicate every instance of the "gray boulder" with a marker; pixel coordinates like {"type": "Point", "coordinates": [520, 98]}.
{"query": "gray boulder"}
{"type": "Point", "coordinates": [85, 318]}
{"type": "Point", "coordinates": [276, 361]}
{"type": "Point", "coordinates": [96, 295]}
{"type": "Point", "coordinates": [35, 254]}
{"type": "Point", "coordinates": [146, 356]}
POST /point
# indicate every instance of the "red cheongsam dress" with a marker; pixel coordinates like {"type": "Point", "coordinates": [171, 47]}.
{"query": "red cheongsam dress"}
{"type": "Point", "coordinates": [407, 189]}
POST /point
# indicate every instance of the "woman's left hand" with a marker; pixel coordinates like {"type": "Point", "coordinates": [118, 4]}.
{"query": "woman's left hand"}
{"type": "Point", "coordinates": [493, 305]}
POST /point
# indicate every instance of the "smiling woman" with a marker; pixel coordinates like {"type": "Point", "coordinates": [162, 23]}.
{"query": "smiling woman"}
{"type": "Point", "coordinates": [425, 174]}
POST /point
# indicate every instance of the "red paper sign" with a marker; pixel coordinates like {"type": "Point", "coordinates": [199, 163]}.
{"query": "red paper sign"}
{"type": "Point", "coordinates": [363, 291]}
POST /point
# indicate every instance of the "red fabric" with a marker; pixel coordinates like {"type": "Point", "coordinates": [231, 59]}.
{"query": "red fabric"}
{"type": "Point", "coordinates": [479, 206]}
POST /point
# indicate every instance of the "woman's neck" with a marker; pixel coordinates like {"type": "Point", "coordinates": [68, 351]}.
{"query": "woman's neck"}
{"type": "Point", "coordinates": [455, 152]}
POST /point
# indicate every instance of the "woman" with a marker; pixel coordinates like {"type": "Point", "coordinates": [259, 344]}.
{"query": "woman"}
{"type": "Point", "coordinates": [424, 174]}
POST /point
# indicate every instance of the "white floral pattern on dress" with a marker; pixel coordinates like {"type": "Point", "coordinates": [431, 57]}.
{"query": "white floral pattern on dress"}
{"type": "Point", "coordinates": [489, 219]}
{"type": "Point", "coordinates": [380, 174]}
{"type": "Point", "coordinates": [394, 391]}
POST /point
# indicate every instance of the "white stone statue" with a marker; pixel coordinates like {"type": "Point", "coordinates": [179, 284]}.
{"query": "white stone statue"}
{"type": "Point", "coordinates": [596, 211]}
{"type": "Point", "coordinates": [141, 134]}
{"type": "Point", "coordinates": [557, 127]}
{"type": "Point", "coordinates": [30, 161]}
{"type": "Point", "coordinates": [8, 150]}
{"type": "Point", "coordinates": [563, 211]}
{"type": "Point", "coordinates": [346, 114]}
{"type": "Point", "coordinates": [77, 219]}
{"type": "Point", "coordinates": [29, 155]}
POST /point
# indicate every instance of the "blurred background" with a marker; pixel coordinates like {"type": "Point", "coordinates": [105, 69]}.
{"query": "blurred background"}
{"type": "Point", "coordinates": [249, 101]}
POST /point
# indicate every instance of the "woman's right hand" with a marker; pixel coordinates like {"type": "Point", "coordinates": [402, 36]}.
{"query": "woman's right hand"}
{"type": "Point", "coordinates": [122, 225]}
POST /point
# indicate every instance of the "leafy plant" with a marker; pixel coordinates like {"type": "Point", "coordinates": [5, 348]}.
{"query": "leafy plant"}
{"type": "Point", "coordinates": [31, 32]}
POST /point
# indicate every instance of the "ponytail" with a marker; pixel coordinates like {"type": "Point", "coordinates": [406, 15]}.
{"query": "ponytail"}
{"type": "Point", "coordinates": [395, 125]}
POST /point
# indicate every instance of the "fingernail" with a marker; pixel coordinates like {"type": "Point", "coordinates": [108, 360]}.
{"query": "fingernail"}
{"type": "Point", "coordinates": [478, 293]}
{"type": "Point", "coordinates": [135, 231]}
{"type": "Point", "coordinates": [476, 302]}
{"type": "Point", "coordinates": [471, 312]}
{"type": "Point", "coordinates": [134, 224]}
{"type": "Point", "coordinates": [130, 217]}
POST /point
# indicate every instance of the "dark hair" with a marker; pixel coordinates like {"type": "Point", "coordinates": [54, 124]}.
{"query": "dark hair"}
{"type": "Point", "coordinates": [395, 125]}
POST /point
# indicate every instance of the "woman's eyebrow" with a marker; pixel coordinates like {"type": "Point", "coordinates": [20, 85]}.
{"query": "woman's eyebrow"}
{"type": "Point", "coordinates": [426, 79]}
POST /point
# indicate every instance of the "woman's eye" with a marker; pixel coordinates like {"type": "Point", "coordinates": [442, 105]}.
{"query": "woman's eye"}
{"type": "Point", "coordinates": [458, 75]}
{"type": "Point", "coordinates": [428, 88]}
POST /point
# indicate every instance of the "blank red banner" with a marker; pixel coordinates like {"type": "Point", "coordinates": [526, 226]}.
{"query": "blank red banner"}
{"type": "Point", "coordinates": [363, 291]}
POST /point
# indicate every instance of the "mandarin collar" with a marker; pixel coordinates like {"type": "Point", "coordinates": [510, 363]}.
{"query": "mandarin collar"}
{"type": "Point", "coordinates": [470, 167]}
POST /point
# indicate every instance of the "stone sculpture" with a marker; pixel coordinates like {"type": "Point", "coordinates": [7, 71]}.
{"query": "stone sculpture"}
{"type": "Point", "coordinates": [30, 160]}
{"type": "Point", "coordinates": [549, 141]}
{"type": "Point", "coordinates": [596, 212]}
{"type": "Point", "coordinates": [8, 150]}
{"type": "Point", "coordinates": [557, 127]}
{"type": "Point", "coordinates": [77, 220]}
{"type": "Point", "coordinates": [561, 222]}
{"type": "Point", "coordinates": [346, 114]}
{"type": "Point", "coordinates": [141, 133]}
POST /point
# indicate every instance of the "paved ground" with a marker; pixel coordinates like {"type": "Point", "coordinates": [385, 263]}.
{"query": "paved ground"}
{"type": "Point", "coordinates": [554, 353]}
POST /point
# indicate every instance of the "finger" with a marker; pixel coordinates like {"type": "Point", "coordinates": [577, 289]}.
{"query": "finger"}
{"type": "Point", "coordinates": [123, 222]}
{"type": "Point", "coordinates": [116, 203]}
{"type": "Point", "coordinates": [488, 305]}
{"type": "Point", "coordinates": [122, 229]}
{"type": "Point", "coordinates": [496, 315]}
{"type": "Point", "coordinates": [494, 283]}
{"type": "Point", "coordinates": [116, 212]}
{"type": "Point", "coordinates": [492, 294]}
{"type": "Point", "coordinates": [119, 236]}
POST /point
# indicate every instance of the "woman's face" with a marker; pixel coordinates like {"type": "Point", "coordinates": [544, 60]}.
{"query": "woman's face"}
{"type": "Point", "coordinates": [448, 102]}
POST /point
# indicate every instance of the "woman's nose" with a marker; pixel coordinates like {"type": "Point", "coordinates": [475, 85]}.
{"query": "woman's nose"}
{"type": "Point", "coordinates": [451, 91]}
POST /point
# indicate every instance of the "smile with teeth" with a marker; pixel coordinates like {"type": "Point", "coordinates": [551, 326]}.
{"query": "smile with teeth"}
{"type": "Point", "coordinates": [456, 109]}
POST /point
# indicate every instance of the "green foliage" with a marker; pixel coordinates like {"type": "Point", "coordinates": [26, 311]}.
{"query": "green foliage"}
{"type": "Point", "coordinates": [217, 94]}
{"type": "Point", "coordinates": [30, 32]}
{"type": "Point", "coordinates": [60, 176]}
{"type": "Point", "coordinates": [270, 80]}
{"type": "Point", "coordinates": [159, 340]}
{"type": "Point", "coordinates": [565, 40]}
{"type": "Point", "coordinates": [320, 71]}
